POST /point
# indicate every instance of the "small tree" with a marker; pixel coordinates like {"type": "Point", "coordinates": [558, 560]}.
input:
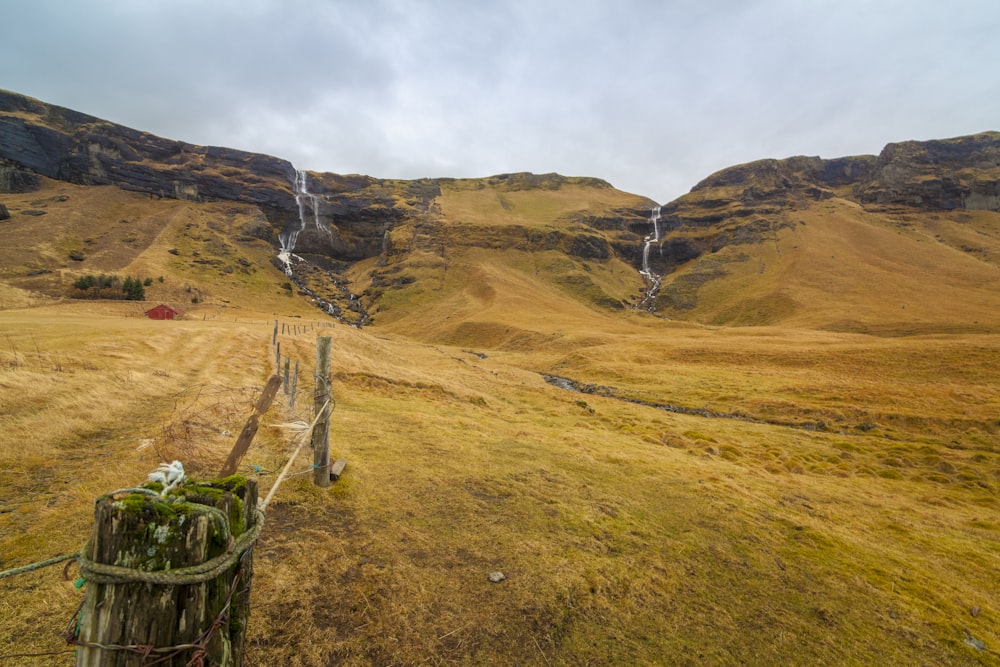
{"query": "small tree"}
{"type": "Point", "coordinates": [133, 289]}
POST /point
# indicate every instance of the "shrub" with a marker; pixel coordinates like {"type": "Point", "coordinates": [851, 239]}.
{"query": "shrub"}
{"type": "Point", "coordinates": [105, 286]}
{"type": "Point", "coordinates": [84, 282]}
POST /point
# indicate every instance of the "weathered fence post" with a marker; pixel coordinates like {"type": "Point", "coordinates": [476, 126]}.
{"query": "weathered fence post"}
{"type": "Point", "coordinates": [246, 436]}
{"type": "Point", "coordinates": [168, 577]}
{"type": "Point", "coordinates": [274, 338]}
{"type": "Point", "coordinates": [288, 361]}
{"type": "Point", "coordinates": [295, 384]}
{"type": "Point", "coordinates": [321, 408]}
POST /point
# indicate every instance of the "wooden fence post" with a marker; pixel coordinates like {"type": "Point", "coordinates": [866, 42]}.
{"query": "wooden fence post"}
{"type": "Point", "coordinates": [274, 338]}
{"type": "Point", "coordinates": [295, 384]}
{"type": "Point", "coordinates": [321, 408]}
{"type": "Point", "coordinates": [136, 610]}
{"type": "Point", "coordinates": [288, 361]}
{"type": "Point", "coordinates": [246, 436]}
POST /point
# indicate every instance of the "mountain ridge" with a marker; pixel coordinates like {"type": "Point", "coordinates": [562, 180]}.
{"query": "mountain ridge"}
{"type": "Point", "coordinates": [731, 242]}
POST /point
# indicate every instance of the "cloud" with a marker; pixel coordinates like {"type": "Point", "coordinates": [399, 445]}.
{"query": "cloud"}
{"type": "Point", "coordinates": [652, 96]}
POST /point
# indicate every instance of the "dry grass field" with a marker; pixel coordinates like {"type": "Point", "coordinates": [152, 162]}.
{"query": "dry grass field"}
{"type": "Point", "coordinates": [802, 493]}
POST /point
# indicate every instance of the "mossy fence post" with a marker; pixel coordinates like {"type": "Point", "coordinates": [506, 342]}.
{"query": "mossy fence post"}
{"type": "Point", "coordinates": [168, 577]}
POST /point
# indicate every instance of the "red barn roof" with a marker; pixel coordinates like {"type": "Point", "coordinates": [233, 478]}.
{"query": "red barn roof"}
{"type": "Point", "coordinates": [163, 312]}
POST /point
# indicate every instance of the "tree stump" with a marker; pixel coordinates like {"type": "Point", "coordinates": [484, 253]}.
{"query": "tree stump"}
{"type": "Point", "coordinates": [169, 576]}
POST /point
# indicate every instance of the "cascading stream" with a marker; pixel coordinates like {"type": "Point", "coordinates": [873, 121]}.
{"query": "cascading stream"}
{"type": "Point", "coordinates": [288, 238]}
{"type": "Point", "coordinates": [302, 195]}
{"type": "Point", "coordinates": [651, 279]}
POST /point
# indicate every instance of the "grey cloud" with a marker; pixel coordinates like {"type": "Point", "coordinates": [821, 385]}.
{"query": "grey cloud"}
{"type": "Point", "coordinates": [650, 95]}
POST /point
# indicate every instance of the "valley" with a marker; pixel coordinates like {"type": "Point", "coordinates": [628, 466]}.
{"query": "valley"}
{"type": "Point", "coordinates": [789, 454]}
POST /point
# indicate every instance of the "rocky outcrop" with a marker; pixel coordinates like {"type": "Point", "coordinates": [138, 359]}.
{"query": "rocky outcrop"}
{"type": "Point", "coordinates": [70, 146]}
{"type": "Point", "coordinates": [960, 173]}
{"type": "Point", "coordinates": [16, 178]}
{"type": "Point", "coordinates": [332, 220]}
{"type": "Point", "coordinates": [743, 204]}
{"type": "Point", "coordinates": [947, 174]}
{"type": "Point", "coordinates": [343, 219]}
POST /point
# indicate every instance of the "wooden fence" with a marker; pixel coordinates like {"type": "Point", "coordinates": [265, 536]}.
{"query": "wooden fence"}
{"type": "Point", "coordinates": [169, 564]}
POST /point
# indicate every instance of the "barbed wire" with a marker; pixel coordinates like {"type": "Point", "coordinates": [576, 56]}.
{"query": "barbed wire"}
{"type": "Point", "coordinates": [166, 653]}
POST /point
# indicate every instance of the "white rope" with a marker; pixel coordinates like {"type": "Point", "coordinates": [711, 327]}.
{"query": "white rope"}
{"type": "Point", "coordinates": [305, 436]}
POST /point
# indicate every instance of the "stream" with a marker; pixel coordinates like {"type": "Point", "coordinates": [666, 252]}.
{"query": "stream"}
{"type": "Point", "coordinates": [611, 392]}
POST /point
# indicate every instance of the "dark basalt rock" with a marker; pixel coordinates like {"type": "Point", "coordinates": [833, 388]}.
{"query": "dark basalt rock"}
{"type": "Point", "coordinates": [16, 179]}
{"type": "Point", "coordinates": [960, 173]}
{"type": "Point", "coordinates": [589, 247]}
{"type": "Point", "coordinates": [741, 204]}
{"type": "Point", "coordinates": [69, 146]}
{"type": "Point", "coordinates": [350, 217]}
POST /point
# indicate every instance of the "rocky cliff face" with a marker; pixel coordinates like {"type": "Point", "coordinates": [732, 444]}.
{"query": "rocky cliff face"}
{"type": "Point", "coordinates": [335, 220]}
{"type": "Point", "coordinates": [960, 173]}
{"type": "Point", "coordinates": [347, 219]}
{"type": "Point", "coordinates": [38, 138]}
{"type": "Point", "coordinates": [745, 203]}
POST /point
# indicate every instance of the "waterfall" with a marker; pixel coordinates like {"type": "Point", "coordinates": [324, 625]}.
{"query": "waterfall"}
{"type": "Point", "coordinates": [288, 238]}
{"type": "Point", "coordinates": [298, 268]}
{"type": "Point", "coordinates": [302, 195]}
{"type": "Point", "coordinates": [651, 279]}
{"type": "Point", "coordinates": [651, 238]}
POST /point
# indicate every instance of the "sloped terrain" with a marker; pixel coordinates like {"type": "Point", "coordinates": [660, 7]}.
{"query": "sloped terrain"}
{"type": "Point", "coordinates": [765, 495]}
{"type": "Point", "coordinates": [908, 241]}
{"type": "Point", "coordinates": [795, 459]}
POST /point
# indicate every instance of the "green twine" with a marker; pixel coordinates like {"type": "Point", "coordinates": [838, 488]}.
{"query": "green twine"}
{"type": "Point", "coordinates": [38, 565]}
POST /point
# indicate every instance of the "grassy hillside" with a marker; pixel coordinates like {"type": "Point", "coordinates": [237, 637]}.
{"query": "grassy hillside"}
{"type": "Point", "coordinates": [628, 534]}
{"type": "Point", "coordinates": [821, 488]}
{"type": "Point", "coordinates": [498, 256]}
{"type": "Point", "coordinates": [208, 254]}
{"type": "Point", "coordinates": [836, 265]}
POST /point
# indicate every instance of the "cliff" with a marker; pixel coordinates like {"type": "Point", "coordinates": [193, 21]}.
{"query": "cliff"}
{"type": "Point", "coordinates": [354, 239]}
{"type": "Point", "coordinates": [330, 222]}
{"type": "Point", "coordinates": [746, 203]}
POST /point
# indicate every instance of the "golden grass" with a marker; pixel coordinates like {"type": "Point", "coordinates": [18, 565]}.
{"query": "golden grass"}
{"type": "Point", "coordinates": [858, 527]}
{"type": "Point", "coordinates": [628, 535]}
{"type": "Point", "coordinates": [200, 250]}
{"type": "Point", "coordinates": [841, 267]}
{"type": "Point", "coordinates": [484, 202]}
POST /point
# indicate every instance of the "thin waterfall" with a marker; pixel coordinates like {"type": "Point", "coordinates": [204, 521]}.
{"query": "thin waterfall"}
{"type": "Point", "coordinates": [651, 279]}
{"type": "Point", "coordinates": [651, 238]}
{"type": "Point", "coordinates": [288, 238]}
{"type": "Point", "coordinates": [302, 195]}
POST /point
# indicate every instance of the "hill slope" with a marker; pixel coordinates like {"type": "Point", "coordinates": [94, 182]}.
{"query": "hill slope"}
{"type": "Point", "coordinates": [905, 241]}
{"type": "Point", "coordinates": [655, 491]}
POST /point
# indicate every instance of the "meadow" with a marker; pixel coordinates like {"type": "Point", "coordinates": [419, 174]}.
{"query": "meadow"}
{"type": "Point", "coordinates": [627, 534]}
{"type": "Point", "coordinates": [818, 489]}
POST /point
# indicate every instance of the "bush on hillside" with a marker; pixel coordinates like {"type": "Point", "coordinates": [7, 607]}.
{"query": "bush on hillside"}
{"type": "Point", "coordinates": [104, 286]}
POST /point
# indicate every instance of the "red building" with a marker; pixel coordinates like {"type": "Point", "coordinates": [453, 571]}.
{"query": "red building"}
{"type": "Point", "coordinates": [163, 312]}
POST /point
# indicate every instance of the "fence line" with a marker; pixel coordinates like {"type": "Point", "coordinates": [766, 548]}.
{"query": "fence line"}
{"type": "Point", "coordinates": [102, 639]}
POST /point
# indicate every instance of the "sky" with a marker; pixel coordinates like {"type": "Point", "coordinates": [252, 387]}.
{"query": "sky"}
{"type": "Point", "coordinates": [650, 95]}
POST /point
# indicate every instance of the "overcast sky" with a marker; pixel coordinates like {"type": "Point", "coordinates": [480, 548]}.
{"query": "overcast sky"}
{"type": "Point", "coordinates": [650, 95]}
